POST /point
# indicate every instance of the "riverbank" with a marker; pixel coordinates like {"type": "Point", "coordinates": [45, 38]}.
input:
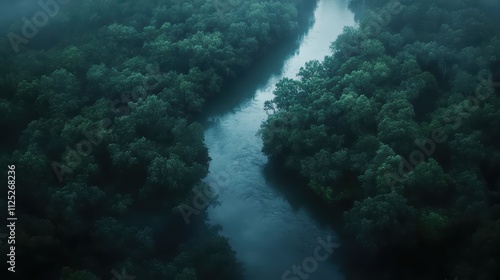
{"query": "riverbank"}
{"type": "Point", "coordinates": [268, 233]}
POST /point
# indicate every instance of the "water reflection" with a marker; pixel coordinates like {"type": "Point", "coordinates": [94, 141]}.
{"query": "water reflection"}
{"type": "Point", "coordinates": [269, 224]}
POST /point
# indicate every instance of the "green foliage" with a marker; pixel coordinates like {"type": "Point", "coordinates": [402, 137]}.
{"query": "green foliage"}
{"type": "Point", "coordinates": [432, 226]}
{"type": "Point", "coordinates": [380, 166]}
{"type": "Point", "coordinates": [381, 223]}
{"type": "Point", "coordinates": [99, 115]}
{"type": "Point", "coordinates": [427, 184]}
{"type": "Point", "coordinates": [400, 124]}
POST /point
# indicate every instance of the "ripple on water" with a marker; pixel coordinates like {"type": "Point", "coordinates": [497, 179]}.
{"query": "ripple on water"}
{"type": "Point", "coordinates": [267, 233]}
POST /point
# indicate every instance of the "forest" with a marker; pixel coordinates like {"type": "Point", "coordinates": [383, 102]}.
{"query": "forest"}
{"type": "Point", "coordinates": [397, 129]}
{"type": "Point", "coordinates": [99, 103]}
{"type": "Point", "coordinates": [395, 132]}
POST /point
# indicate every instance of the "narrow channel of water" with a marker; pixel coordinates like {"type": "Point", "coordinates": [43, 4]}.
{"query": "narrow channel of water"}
{"type": "Point", "coordinates": [267, 233]}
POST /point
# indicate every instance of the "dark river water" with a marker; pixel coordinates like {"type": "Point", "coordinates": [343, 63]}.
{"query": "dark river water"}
{"type": "Point", "coordinates": [268, 232]}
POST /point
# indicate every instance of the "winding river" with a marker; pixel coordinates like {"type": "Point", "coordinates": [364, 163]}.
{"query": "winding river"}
{"type": "Point", "coordinates": [268, 232]}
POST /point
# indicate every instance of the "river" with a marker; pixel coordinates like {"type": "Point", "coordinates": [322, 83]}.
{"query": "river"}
{"type": "Point", "coordinates": [268, 232]}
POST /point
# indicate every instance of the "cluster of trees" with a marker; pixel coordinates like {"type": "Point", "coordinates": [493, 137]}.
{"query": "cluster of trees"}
{"type": "Point", "coordinates": [98, 116]}
{"type": "Point", "coordinates": [398, 127]}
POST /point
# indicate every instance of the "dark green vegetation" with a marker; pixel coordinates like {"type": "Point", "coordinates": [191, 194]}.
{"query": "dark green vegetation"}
{"type": "Point", "coordinates": [98, 114]}
{"type": "Point", "coordinates": [399, 129]}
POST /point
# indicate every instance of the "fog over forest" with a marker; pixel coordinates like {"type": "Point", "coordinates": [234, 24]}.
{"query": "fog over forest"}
{"type": "Point", "coordinates": [250, 139]}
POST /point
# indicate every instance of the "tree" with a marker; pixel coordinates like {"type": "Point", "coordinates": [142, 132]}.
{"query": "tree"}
{"type": "Point", "coordinates": [427, 184]}
{"type": "Point", "coordinates": [396, 125]}
{"type": "Point", "coordinates": [384, 222]}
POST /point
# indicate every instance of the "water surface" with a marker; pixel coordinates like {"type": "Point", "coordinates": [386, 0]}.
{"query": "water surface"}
{"type": "Point", "coordinates": [268, 234]}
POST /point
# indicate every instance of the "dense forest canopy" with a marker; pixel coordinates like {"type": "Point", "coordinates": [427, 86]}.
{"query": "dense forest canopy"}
{"type": "Point", "coordinates": [397, 130]}
{"type": "Point", "coordinates": [398, 127]}
{"type": "Point", "coordinates": [98, 101]}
